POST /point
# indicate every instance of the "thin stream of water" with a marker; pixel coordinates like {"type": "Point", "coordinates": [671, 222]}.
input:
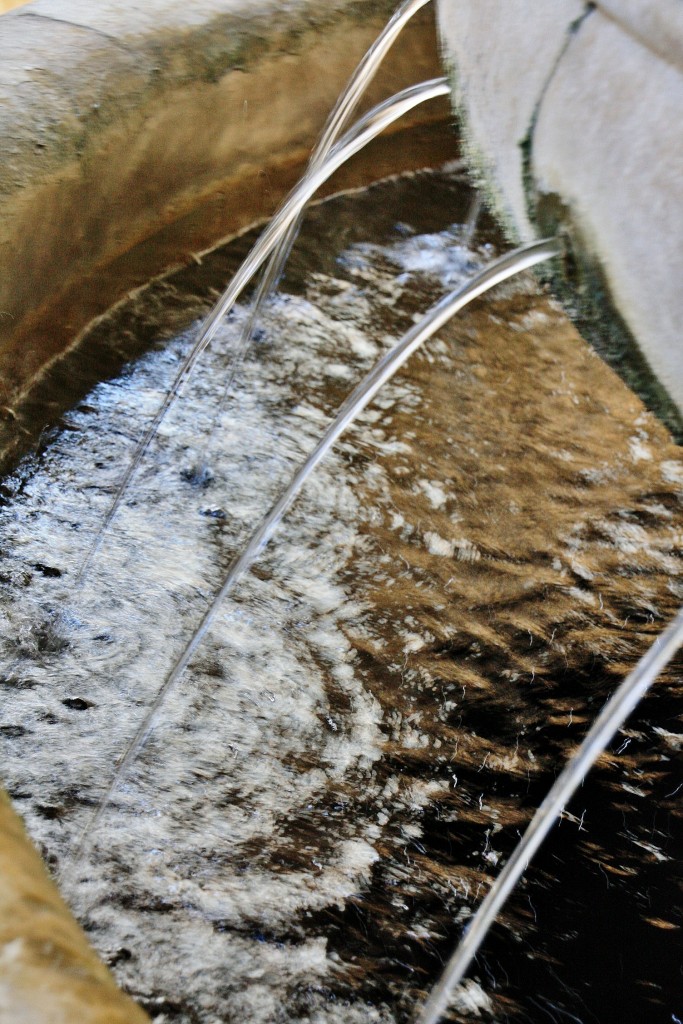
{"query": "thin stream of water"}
{"type": "Point", "coordinates": [370, 126]}
{"type": "Point", "coordinates": [340, 115]}
{"type": "Point", "coordinates": [473, 216]}
{"type": "Point", "coordinates": [362, 77]}
{"type": "Point", "coordinates": [500, 270]}
{"type": "Point", "coordinates": [604, 728]}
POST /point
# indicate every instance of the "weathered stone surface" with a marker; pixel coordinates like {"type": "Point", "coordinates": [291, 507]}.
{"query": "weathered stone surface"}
{"type": "Point", "coordinates": [48, 973]}
{"type": "Point", "coordinates": [135, 136]}
{"type": "Point", "coordinates": [500, 57]}
{"type": "Point", "coordinates": [658, 24]}
{"type": "Point", "coordinates": [617, 162]}
{"type": "Point", "coordinates": [580, 101]}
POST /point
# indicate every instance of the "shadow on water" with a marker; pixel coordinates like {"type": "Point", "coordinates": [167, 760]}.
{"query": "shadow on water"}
{"type": "Point", "coordinates": [387, 699]}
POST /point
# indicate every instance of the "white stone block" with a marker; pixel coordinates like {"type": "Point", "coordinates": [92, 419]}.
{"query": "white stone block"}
{"type": "Point", "coordinates": [593, 94]}
{"type": "Point", "coordinates": [501, 55]}
{"type": "Point", "coordinates": [608, 140]}
{"type": "Point", "coordinates": [656, 23]}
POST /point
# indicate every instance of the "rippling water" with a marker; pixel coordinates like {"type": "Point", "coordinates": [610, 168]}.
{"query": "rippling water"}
{"type": "Point", "coordinates": [386, 697]}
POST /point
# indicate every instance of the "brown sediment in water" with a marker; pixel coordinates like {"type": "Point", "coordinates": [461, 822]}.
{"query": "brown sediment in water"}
{"type": "Point", "coordinates": [522, 554]}
{"type": "Point", "coordinates": [48, 972]}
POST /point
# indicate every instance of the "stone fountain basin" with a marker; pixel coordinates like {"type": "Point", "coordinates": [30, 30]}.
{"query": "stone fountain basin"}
{"type": "Point", "coordinates": [134, 137]}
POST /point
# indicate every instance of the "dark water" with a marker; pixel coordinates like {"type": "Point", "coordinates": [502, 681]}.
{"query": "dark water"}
{"type": "Point", "coordinates": [386, 699]}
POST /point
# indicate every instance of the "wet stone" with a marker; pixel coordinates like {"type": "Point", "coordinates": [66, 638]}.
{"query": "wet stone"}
{"type": "Point", "coordinates": [382, 703]}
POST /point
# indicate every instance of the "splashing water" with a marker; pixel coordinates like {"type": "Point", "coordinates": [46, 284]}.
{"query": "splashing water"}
{"type": "Point", "coordinates": [368, 128]}
{"type": "Point", "coordinates": [284, 779]}
{"type": "Point", "coordinates": [500, 270]}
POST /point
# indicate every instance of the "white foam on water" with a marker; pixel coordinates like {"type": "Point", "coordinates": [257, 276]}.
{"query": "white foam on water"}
{"type": "Point", "coordinates": [194, 851]}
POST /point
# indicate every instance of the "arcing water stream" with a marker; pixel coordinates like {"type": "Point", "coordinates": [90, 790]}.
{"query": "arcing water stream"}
{"type": "Point", "coordinates": [349, 411]}
{"type": "Point", "coordinates": [337, 121]}
{"type": "Point", "coordinates": [379, 708]}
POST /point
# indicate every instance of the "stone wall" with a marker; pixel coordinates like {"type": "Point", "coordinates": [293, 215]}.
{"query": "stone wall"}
{"type": "Point", "coordinates": [136, 136]}
{"type": "Point", "coordinates": [571, 114]}
{"type": "Point", "coordinates": [48, 973]}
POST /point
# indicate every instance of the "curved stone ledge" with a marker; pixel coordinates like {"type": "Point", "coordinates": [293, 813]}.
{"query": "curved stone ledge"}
{"type": "Point", "coordinates": [500, 57]}
{"type": "Point", "coordinates": [578, 103]}
{"type": "Point", "coordinates": [135, 136]}
{"type": "Point", "coordinates": [617, 163]}
{"type": "Point", "coordinates": [48, 973]}
{"type": "Point", "coordinates": [657, 24]}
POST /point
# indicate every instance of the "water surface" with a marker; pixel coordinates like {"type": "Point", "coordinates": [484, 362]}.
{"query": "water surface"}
{"type": "Point", "coordinates": [387, 696]}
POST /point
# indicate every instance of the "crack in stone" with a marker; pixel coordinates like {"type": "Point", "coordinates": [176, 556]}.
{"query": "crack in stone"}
{"type": "Point", "coordinates": [527, 143]}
